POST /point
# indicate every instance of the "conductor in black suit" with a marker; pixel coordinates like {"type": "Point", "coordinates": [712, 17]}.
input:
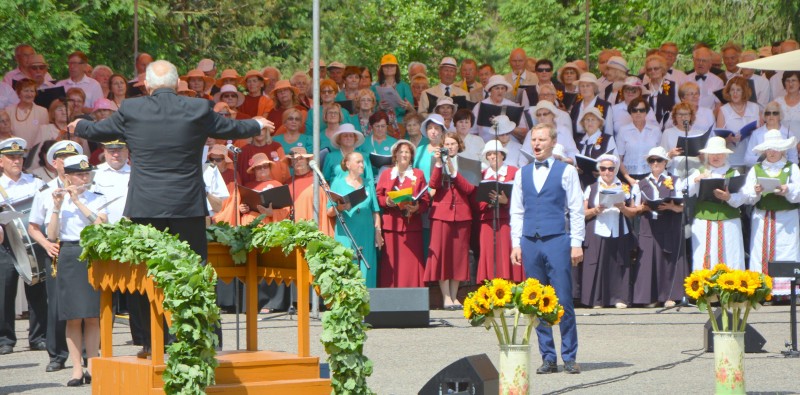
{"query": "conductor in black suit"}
{"type": "Point", "coordinates": [165, 134]}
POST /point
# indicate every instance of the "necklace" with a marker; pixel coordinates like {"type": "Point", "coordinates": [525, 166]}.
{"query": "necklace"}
{"type": "Point", "coordinates": [740, 110]}
{"type": "Point", "coordinates": [16, 115]}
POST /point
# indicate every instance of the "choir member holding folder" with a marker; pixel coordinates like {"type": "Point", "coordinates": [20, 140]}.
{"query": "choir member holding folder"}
{"type": "Point", "coordinates": [609, 242]}
{"type": "Point", "coordinates": [403, 198]}
{"type": "Point", "coordinates": [717, 227]}
{"type": "Point", "coordinates": [662, 267]}
{"type": "Point", "coordinates": [773, 185]}
{"type": "Point", "coordinates": [672, 140]}
{"type": "Point", "coordinates": [593, 144]}
{"type": "Point", "coordinates": [260, 167]}
{"type": "Point", "coordinates": [736, 116]}
{"type": "Point", "coordinates": [495, 262]}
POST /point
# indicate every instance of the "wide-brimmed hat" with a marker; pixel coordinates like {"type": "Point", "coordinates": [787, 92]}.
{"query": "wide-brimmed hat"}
{"type": "Point", "coordinates": [635, 82]}
{"type": "Point", "coordinates": [492, 146]}
{"type": "Point", "coordinates": [773, 140]}
{"type": "Point", "coordinates": [221, 150]}
{"type": "Point", "coordinates": [259, 159]}
{"type": "Point", "coordinates": [37, 59]}
{"type": "Point", "coordinates": [388, 59]}
{"type": "Point", "coordinates": [229, 89]}
{"type": "Point", "coordinates": [594, 111]}
{"type": "Point", "coordinates": [13, 146]}
{"type": "Point", "coordinates": [448, 61]}
{"type": "Point", "coordinates": [77, 164]}
{"type": "Point", "coordinates": [104, 104]}
{"type": "Point", "coordinates": [63, 147]}
{"type": "Point", "coordinates": [445, 101]}
{"type": "Point", "coordinates": [497, 80]}
{"type": "Point", "coordinates": [435, 118]}
{"type": "Point", "coordinates": [397, 143]}
{"type": "Point", "coordinates": [570, 65]}
{"type": "Point", "coordinates": [543, 105]}
{"type": "Point", "coordinates": [198, 73]}
{"type": "Point", "coordinates": [504, 125]}
{"type": "Point", "coordinates": [336, 65]}
{"type": "Point", "coordinates": [282, 84]}
{"type": "Point", "coordinates": [206, 65]}
{"type": "Point", "coordinates": [617, 62]}
{"type": "Point", "coordinates": [298, 152]}
{"type": "Point", "coordinates": [183, 87]}
{"type": "Point", "coordinates": [716, 145]}
{"type": "Point", "coordinates": [346, 128]}
{"type": "Point", "coordinates": [657, 151]}
{"type": "Point", "coordinates": [253, 73]}
{"type": "Point", "coordinates": [228, 73]}
{"type": "Point", "coordinates": [590, 78]}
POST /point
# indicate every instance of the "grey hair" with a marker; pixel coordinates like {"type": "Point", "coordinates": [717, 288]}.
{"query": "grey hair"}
{"type": "Point", "coordinates": [413, 64]}
{"type": "Point", "coordinates": [167, 79]}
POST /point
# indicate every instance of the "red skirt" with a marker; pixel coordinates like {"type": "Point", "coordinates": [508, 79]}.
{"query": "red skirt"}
{"type": "Point", "coordinates": [448, 254]}
{"type": "Point", "coordinates": [504, 268]}
{"type": "Point", "coordinates": [401, 260]}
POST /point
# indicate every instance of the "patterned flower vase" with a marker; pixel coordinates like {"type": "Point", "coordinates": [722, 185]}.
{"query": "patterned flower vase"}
{"type": "Point", "coordinates": [729, 363]}
{"type": "Point", "coordinates": [514, 369]}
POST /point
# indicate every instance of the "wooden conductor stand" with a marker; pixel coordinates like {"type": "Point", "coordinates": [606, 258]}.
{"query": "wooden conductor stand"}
{"type": "Point", "coordinates": [239, 372]}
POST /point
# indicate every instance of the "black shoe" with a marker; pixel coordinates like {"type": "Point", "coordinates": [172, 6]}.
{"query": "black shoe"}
{"type": "Point", "coordinates": [75, 382]}
{"type": "Point", "coordinates": [39, 346]}
{"type": "Point", "coordinates": [571, 367]}
{"type": "Point", "coordinates": [87, 378]}
{"type": "Point", "coordinates": [54, 366]}
{"type": "Point", "coordinates": [143, 353]}
{"type": "Point", "coordinates": [547, 367]}
{"type": "Point", "coordinates": [6, 349]}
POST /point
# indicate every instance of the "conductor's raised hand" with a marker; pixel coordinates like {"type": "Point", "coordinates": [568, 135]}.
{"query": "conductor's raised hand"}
{"type": "Point", "coordinates": [266, 124]}
{"type": "Point", "coordinates": [72, 125]}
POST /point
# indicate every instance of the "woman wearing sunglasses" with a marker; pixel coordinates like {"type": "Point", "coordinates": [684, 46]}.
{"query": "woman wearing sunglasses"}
{"type": "Point", "coordinates": [773, 118]}
{"type": "Point", "coordinates": [635, 140]}
{"type": "Point", "coordinates": [662, 268]}
{"type": "Point", "coordinates": [606, 271]}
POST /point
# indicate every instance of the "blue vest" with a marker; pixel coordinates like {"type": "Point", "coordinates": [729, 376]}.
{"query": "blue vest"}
{"type": "Point", "coordinates": [545, 210]}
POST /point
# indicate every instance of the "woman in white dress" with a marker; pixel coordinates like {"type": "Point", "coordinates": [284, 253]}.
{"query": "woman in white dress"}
{"type": "Point", "coordinates": [790, 103]}
{"type": "Point", "coordinates": [631, 89]}
{"type": "Point", "coordinates": [775, 235]}
{"type": "Point", "coordinates": [497, 86]}
{"type": "Point", "coordinates": [772, 115]}
{"type": "Point", "coordinates": [689, 92]}
{"type": "Point", "coordinates": [735, 115]}
{"type": "Point", "coordinates": [634, 142]}
{"type": "Point", "coordinates": [717, 227]}
{"type": "Point", "coordinates": [684, 117]}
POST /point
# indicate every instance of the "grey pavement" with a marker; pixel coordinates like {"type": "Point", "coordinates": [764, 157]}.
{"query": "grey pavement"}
{"type": "Point", "coordinates": [622, 351]}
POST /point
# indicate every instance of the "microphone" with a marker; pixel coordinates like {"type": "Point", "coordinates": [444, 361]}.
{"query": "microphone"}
{"type": "Point", "coordinates": [313, 165]}
{"type": "Point", "coordinates": [233, 148]}
{"type": "Point", "coordinates": [686, 125]}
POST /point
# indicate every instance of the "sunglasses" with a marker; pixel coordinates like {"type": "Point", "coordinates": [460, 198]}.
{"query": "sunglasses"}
{"type": "Point", "coordinates": [547, 70]}
{"type": "Point", "coordinates": [655, 160]}
{"type": "Point", "coordinates": [543, 114]}
{"type": "Point", "coordinates": [218, 159]}
{"type": "Point", "coordinates": [327, 91]}
{"type": "Point", "coordinates": [639, 110]}
{"type": "Point", "coordinates": [775, 113]}
{"type": "Point", "coordinates": [293, 119]}
{"type": "Point", "coordinates": [603, 168]}
{"type": "Point", "coordinates": [42, 67]}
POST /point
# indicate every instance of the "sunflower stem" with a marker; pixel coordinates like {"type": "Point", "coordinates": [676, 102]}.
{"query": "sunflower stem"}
{"type": "Point", "coordinates": [713, 319]}
{"type": "Point", "coordinates": [516, 321]}
{"type": "Point", "coordinates": [505, 326]}
{"type": "Point", "coordinates": [724, 318]}
{"type": "Point", "coordinates": [743, 324]}
{"type": "Point", "coordinates": [497, 332]}
{"type": "Point", "coordinates": [528, 330]}
{"type": "Point", "coordinates": [735, 319]}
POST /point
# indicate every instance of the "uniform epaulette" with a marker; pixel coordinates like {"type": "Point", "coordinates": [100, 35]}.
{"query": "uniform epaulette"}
{"type": "Point", "coordinates": [45, 186]}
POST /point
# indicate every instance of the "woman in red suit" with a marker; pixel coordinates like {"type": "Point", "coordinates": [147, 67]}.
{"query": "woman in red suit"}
{"type": "Point", "coordinates": [451, 219]}
{"type": "Point", "coordinates": [490, 264]}
{"type": "Point", "coordinates": [402, 256]}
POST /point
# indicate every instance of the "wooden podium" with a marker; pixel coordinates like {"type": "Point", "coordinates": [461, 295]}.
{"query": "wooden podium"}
{"type": "Point", "coordinates": [239, 372]}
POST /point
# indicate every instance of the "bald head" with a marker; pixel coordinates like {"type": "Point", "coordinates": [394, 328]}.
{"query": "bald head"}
{"type": "Point", "coordinates": [789, 45]}
{"type": "Point", "coordinates": [517, 60]}
{"type": "Point", "coordinates": [161, 74]}
{"type": "Point", "coordinates": [142, 61]}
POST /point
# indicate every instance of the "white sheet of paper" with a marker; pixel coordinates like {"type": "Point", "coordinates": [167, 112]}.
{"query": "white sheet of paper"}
{"type": "Point", "coordinates": [390, 96]}
{"type": "Point", "coordinates": [609, 199]}
{"type": "Point", "coordinates": [769, 184]}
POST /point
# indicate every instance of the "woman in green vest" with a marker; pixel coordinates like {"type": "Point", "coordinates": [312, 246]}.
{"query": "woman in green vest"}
{"type": "Point", "coordinates": [717, 228]}
{"type": "Point", "coordinates": [775, 235]}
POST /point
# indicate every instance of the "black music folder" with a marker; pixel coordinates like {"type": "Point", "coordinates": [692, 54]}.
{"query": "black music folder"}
{"type": "Point", "coordinates": [708, 185]}
{"type": "Point", "coordinates": [278, 196]}
{"type": "Point", "coordinates": [695, 143]}
{"type": "Point", "coordinates": [354, 198]}
{"type": "Point", "coordinates": [486, 187]}
{"type": "Point", "coordinates": [488, 111]}
{"type": "Point", "coordinates": [347, 105]}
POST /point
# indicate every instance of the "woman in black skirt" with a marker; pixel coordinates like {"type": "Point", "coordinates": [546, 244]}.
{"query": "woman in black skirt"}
{"type": "Point", "coordinates": [74, 208]}
{"type": "Point", "coordinates": [609, 241]}
{"type": "Point", "coordinates": [662, 267]}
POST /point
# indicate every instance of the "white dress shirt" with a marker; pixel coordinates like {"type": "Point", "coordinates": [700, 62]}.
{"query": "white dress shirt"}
{"type": "Point", "coordinates": [72, 219]}
{"type": "Point", "coordinates": [607, 223]}
{"type": "Point", "coordinates": [621, 117]}
{"type": "Point", "coordinates": [574, 203]}
{"type": "Point", "coordinates": [8, 97]}
{"type": "Point", "coordinates": [113, 184]}
{"type": "Point", "coordinates": [711, 84]}
{"type": "Point", "coordinates": [88, 85]}
{"type": "Point", "coordinates": [215, 185]}
{"type": "Point", "coordinates": [633, 146]}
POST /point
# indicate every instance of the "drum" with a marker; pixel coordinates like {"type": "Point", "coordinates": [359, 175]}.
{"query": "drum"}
{"type": "Point", "coordinates": [16, 230]}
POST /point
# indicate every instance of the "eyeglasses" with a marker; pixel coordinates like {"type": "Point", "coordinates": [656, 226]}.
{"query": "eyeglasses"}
{"type": "Point", "coordinates": [229, 96]}
{"type": "Point", "coordinates": [217, 159]}
{"type": "Point", "coordinates": [543, 70]}
{"type": "Point", "coordinates": [655, 160]}
{"type": "Point", "coordinates": [39, 67]}
{"type": "Point", "coordinates": [543, 114]}
{"type": "Point", "coordinates": [603, 168]}
{"type": "Point", "coordinates": [638, 110]}
{"type": "Point", "coordinates": [327, 91]}
{"type": "Point", "coordinates": [296, 119]}
{"type": "Point", "coordinates": [775, 113]}
{"type": "Point", "coordinates": [653, 69]}
{"type": "Point", "coordinates": [683, 114]}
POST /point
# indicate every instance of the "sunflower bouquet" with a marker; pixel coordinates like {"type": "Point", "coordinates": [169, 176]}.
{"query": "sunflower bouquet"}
{"type": "Point", "coordinates": [536, 303]}
{"type": "Point", "coordinates": [737, 291]}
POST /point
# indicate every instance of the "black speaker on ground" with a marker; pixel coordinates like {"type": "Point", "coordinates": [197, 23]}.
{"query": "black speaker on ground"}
{"type": "Point", "coordinates": [474, 374]}
{"type": "Point", "coordinates": [398, 308]}
{"type": "Point", "coordinates": [753, 341]}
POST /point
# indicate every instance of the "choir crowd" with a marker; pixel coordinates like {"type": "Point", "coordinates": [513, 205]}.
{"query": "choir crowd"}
{"type": "Point", "coordinates": [421, 165]}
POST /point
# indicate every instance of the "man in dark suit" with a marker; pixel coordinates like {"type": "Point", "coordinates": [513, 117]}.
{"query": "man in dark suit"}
{"type": "Point", "coordinates": [165, 134]}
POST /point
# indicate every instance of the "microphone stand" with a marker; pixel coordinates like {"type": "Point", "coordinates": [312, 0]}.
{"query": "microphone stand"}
{"type": "Point", "coordinates": [684, 222]}
{"type": "Point", "coordinates": [340, 220]}
{"type": "Point", "coordinates": [495, 207]}
{"type": "Point", "coordinates": [236, 224]}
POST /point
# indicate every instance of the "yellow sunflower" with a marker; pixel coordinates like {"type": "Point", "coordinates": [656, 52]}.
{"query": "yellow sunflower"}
{"type": "Point", "coordinates": [558, 319]}
{"type": "Point", "coordinates": [694, 285]}
{"type": "Point", "coordinates": [768, 282]}
{"type": "Point", "coordinates": [729, 281]}
{"type": "Point", "coordinates": [481, 300]}
{"type": "Point", "coordinates": [748, 283]}
{"type": "Point", "coordinates": [500, 292]}
{"type": "Point", "coordinates": [530, 294]}
{"type": "Point", "coordinates": [548, 300]}
{"type": "Point", "coordinates": [468, 312]}
{"type": "Point", "coordinates": [532, 281]}
{"type": "Point", "coordinates": [720, 267]}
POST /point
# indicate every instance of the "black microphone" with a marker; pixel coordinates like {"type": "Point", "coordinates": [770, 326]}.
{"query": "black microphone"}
{"type": "Point", "coordinates": [313, 165]}
{"type": "Point", "coordinates": [686, 125]}
{"type": "Point", "coordinates": [233, 148]}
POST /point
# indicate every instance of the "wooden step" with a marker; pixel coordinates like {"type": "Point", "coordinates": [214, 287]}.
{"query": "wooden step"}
{"type": "Point", "coordinates": [294, 387]}
{"type": "Point", "coordinates": [258, 366]}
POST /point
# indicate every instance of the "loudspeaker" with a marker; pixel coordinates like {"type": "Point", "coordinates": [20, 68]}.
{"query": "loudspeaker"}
{"type": "Point", "coordinates": [474, 374]}
{"type": "Point", "coordinates": [753, 341]}
{"type": "Point", "coordinates": [398, 308]}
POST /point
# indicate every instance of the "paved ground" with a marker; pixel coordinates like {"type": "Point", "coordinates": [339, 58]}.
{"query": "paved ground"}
{"type": "Point", "coordinates": [633, 351]}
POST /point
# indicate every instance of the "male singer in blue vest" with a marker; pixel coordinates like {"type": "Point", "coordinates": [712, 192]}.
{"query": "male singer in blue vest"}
{"type": "Point", "coordinates": [544, 192]}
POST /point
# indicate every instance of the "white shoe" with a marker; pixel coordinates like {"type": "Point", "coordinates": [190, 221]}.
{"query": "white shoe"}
{"type": "Point", "coordinates": [621, 305]}
{"type": "Point", "coordinates": [669, 303]}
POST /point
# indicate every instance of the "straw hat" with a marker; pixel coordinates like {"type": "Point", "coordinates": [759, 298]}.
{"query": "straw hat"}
{"type": "Point", "coordinates": [591, 78]}
{"type": "Point", "coordinates": [183, 87]}
{"type": "Point", "coordinates": [635, 82]}
{"type": "Point", "coordinates": [257, 160]}
{"type": "Point", "coordinates": [220, 150]}
{"type": "Point", "coordinates": [448, 61]}
{"type": "Point", "coordinates": [228, 73]}
{"type": "Point", "coordinates": [253, 73]}
{"type": "Point", "coordinates": [197, 73]}
{"type": "Point", "coordinates": [282, 84]}
{"type": "Point", "coordinates": [773, 140]}
{"type": "Point", "coordinates": [435, 118]}
{"type": "Point", "coordinates": [504, 125]}
{"type": "Point", "coordinates": [716, 145]}
{"type": "Point", "coordinates": [445, 101]}
{"type": "Point", "coordinates": [657, 151]}
{"type": "Point", "coordinates": [497, 80]}
{"type": "Point", "coordinates": [229, 89]}
{"type": "Point", "coordinates": [298, 152]}
{"type": "Point", "coordinates": [336, 65]}
{"type": "Point", "coordinates": [594, 111]}
{"type": "Point", "coordinates": [492, 146]}
{"type": "Point", "coordinates": [346, 128]}
{"type": "Point", "coordinates": [617, 62]}
{"type": "Point", "coordinates": [570, 65]}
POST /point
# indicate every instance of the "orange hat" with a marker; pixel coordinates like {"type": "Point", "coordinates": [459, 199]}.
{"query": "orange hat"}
{"type": "Point", "coordinates": [254, 73]}
{"type": "Point", "coordinates": [259, 159]}
{"type": "Point", "coordinates": [220, 150]}
{"type": "Point", "coordinates": [197, 73]}
{"type": "Point", "coordinates": [228, 73]}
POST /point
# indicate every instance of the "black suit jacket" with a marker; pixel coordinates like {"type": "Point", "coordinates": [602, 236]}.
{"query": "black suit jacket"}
{"type": "Point", "coordinates": [166, 134]}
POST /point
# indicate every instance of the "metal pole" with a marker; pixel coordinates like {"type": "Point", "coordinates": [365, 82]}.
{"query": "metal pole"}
{"type": "Point", "coordinates": [588, 2]}
{"type": "Point", "coordinates": [135, 34]}
{"type": "Point", "coordinates": [315, 120]}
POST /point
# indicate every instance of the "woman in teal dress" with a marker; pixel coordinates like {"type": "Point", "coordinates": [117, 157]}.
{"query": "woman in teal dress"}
{"type": "Point", "coordinates": [332, 117]}
{"type": "Point", "coordinates": [344, 141]}
{"type": "Point", "coordinates": [327, 96]}
{"type": "Point", "coordinates": [389, 76]}
{"type": "Point", "coordinates": [292, 120]}
{"type": "Point", "coordinates": [378, 142]}
{"type": "Point", "coordinates": [363, 219]}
